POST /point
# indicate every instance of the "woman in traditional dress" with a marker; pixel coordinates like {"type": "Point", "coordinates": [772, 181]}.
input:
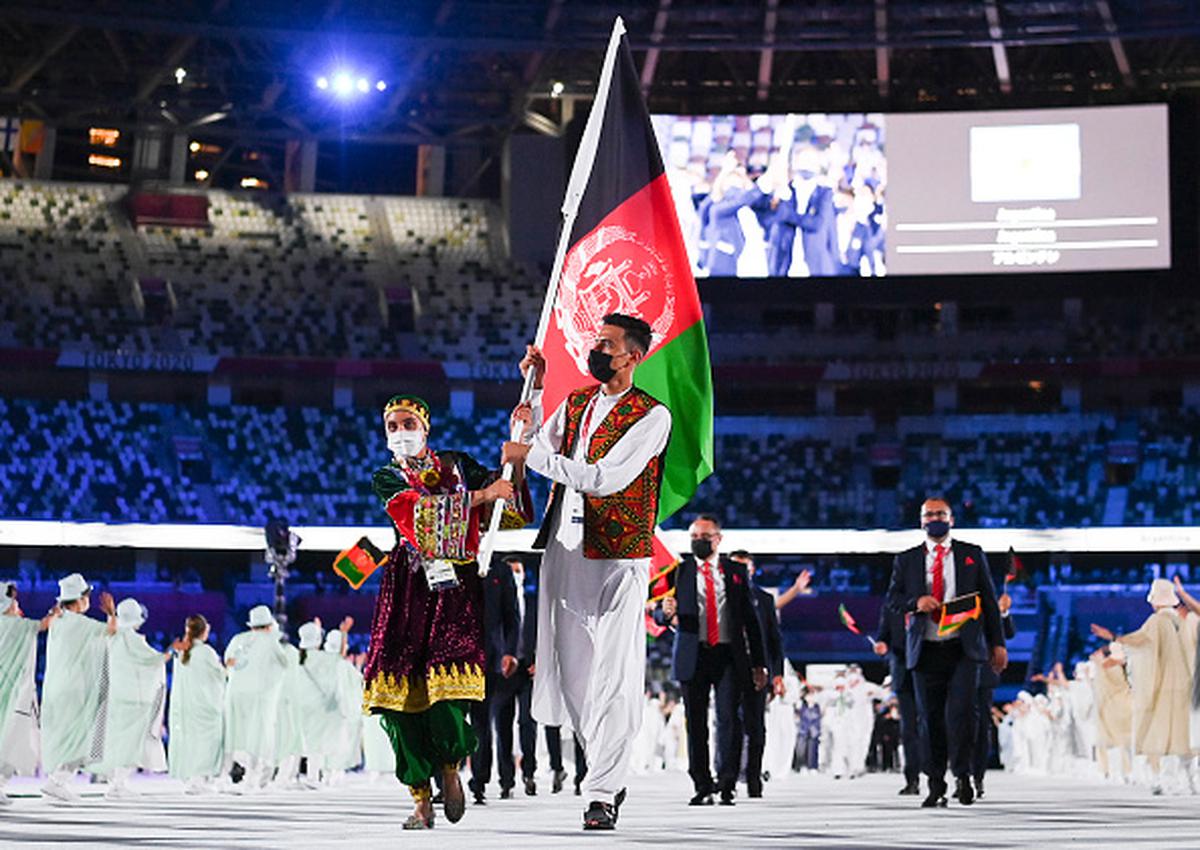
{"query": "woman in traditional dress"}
{"type": "Point", "coordinates": [197, 713]}
{"type": "Point", "coordinates": [20, 740]}
{"type": "Point", "coordinates": [426, 658]}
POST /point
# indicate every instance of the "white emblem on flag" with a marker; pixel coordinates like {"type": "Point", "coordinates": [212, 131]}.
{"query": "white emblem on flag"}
{"type": "Point", "coordinates": [612, 271]}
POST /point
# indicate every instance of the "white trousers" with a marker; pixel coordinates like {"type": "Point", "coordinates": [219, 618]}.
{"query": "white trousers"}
{"type": "Point", "coordinates": [591, 659]}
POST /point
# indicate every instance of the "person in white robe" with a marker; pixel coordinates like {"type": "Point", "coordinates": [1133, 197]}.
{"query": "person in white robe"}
{"type": "Point", "coordinates": [75, 687]}
{"type": "Point", "coordinates": [1162, 682]}
{"type": "Point", "coordinates": [197, 715]}
{"type": "Point", "coordinates": [20, 738]}
{"type": "Point", "coordinates": [1113, 697]}
{"type": "Point", "coordinates": [257, 662]}
{"type": "Point", "coordinates": [348, 751]}
{"type": "Point", "coordinates": [314, 690]}
{"type": "Point", "coordinates": [781, 727]}
{"type": "Point", "coordinates": [862, 718]}
{"type": "Point", "coordinates": [137, 696]}
{"type": "Point", "coordinates": [289, 742]}
{"type": "Point", "coordinates": [591, 648]}
{"type": "Point", "coordinates": [838, 719]}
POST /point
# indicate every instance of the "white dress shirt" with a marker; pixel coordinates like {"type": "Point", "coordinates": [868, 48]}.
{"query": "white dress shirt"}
{"type": "Point", "coordinates": [612, 473]}
{"type": "Point", "coordinates": [931, 627]}
{"type": "Point", "coordinates": [702, 600]}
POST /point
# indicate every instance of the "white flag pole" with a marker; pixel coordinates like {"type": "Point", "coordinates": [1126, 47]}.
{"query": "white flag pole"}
{"type": "Point", "coordinates": [581, 172]}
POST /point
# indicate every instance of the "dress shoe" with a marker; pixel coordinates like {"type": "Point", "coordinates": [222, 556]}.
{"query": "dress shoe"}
{"type": "Point", "coordinates": [963, 792]}
{"type": "Point", "coordinates": [578, 789]}
{"type": "Point", "coordinates": [754, 791]}
{"type": "Point", "coordinates": [506, 793]}
{"type": "Point", "coordinates": [912, 789]}
{"type": "Point", "coordinates": [480, 798]}
{"type": "Point", "coordinates": [560, 778]}
{"type": "Point", "coordinates": [530, 787]}
{"type": "Point", "coordinates": [727, 796]}
{"type": "Point", "coordinates": [936, 798]}
{"type": "Point", "coordinates": [704, 798]}
{"type": "Point", "coordinates": [979, 788]}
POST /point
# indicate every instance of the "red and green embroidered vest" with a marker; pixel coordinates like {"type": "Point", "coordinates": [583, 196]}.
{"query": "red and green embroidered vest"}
{"type": "Point", "coordinates": [620, 525]}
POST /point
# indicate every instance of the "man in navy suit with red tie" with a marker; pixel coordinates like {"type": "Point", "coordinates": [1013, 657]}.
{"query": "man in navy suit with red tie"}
{"type": "Point", "coordinates": [718, 647]}
{"type": "Point", "coordinates": [946, 663]}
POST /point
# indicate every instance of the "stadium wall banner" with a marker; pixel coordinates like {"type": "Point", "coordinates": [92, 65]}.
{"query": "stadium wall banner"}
{"type": "Point", "coordinates": [138, 361]}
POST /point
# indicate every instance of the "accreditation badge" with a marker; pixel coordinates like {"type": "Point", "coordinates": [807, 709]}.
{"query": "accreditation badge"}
{"type": "Point", "coordinates": [440, 574]}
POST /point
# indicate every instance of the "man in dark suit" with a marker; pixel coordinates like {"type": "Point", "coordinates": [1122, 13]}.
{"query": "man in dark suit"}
{"type": "Point", "coordinates": [512, 700]}
{"type": "Point", "coordinates": [946, 666]}
{"type": "Point", "coordinates": [718, 647]}
{"type": "Point", "coordinates": [891, 643]}
{"type": "Point", "coordinates": [988, 680]}
{"type": "Point", "coordinates": [500, 635]}
{"type": "Point", "coordinates": [754, 700]}
{"type": "Point", "coordinates": [800, 205]}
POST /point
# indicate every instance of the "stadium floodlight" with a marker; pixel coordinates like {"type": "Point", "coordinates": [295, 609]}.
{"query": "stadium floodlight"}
{"type": "Point", "coordinates": [343, 85]}
{"type": "Point", "coordinates": [180, 75]}
{"type": "Point", "coordinates": [557, 88]}
{"type": "Point", "coordinates": [381, 86]}
{"type": "Point", "coordinates": [363, 86]}
{"type": "Point", "coordinates": [201, 175]}
{"type": "Point", "coordinates": [322, 83]}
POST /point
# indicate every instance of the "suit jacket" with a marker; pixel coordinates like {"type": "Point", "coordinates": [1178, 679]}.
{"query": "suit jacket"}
{"type": "Point", "coordinates": [499, 617]}
{"type": "Point", "coordinates": [768, 623]}
{"type": "Point", "coordinates": [745, 635]}
{"type": "Point", "coordinates": [989, 678]}
{"type": "Point", "coordinates": [971, 575]}
{"type": "Point", "coordinates": [893, 633]}
{"type": "Point", "coordinates": [527, 653]}
{"type": "Point", "coordinates": [818, 234]}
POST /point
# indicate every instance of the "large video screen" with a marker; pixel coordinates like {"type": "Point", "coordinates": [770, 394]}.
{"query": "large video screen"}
{"type": "Point", "coordinates": [866, 195]}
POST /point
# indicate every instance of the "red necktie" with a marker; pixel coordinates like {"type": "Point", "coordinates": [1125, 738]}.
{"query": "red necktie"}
{"type": "Point", "coordinates": [710, 599]}
{"type": "Point", "coordinates": [939, 570]}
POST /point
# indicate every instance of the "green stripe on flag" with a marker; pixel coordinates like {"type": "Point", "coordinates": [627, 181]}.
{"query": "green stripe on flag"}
{"type": "Point", "coordinates": [680, 376]}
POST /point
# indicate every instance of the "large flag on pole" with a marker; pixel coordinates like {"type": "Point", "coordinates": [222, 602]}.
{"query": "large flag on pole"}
{"type": "Point", "coordinates": [626, 254]}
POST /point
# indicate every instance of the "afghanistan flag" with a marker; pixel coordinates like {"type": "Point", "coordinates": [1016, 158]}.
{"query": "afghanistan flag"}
{"type": "Point", "coordinates": [357, 563]}
{"type": "Point", "coordinates": [957, 612]}
{"type": "Point", "coordinates": [847, 620]}
{"type": "Point", "coordinates": [662, 564]}
{"type": "Point", "coordinates": [626, 255]}
{"type": "Point", "coordinates": [1015, 566]}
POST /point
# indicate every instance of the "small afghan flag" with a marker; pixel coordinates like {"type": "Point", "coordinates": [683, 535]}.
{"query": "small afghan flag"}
{"type": "Point", "coordinates": [1015, 566]}
{"type": "Point", "coordinates": [957, 612]}
{"type": "Point", "coordinates": [357, 563]}
{"type": "Point", "coordinates": [662, 563]}
{"type": "Point", "coordinates": [847, 620]}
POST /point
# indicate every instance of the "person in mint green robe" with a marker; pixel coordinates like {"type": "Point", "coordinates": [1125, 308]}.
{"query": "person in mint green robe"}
{"type": "Point", "coordinates": [257, 661]}
{"type": "Point", "coordinates": [75, 687]}
{"type": "Point", "coordinates": [197, 716]}
{"type": "Point", "coordinates": [20, 739]}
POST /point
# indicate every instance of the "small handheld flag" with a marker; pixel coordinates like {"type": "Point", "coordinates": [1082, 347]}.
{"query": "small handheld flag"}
{"type": "Point", "coordinates": [357, 563]}
{"type": "Point", "coordinates": [957, 612]}
{"type": "Point", "coordinates": [849, 623]}
{"type": "Point", "coordinates": [662, 563]}
{"type": "Point", "coordinates": [1015, 567]}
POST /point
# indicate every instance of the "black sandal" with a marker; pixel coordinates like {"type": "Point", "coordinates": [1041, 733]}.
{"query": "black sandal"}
{"type": "Point", "coordinates": [454, 799]}
{"type": "Point", "coordinates": [603, 816]}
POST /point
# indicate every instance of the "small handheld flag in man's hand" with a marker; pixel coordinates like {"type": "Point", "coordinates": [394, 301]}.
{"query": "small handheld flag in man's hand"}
{"type": "Point", "coordinates": [357, 563]}
{"type": "Point", "coordinates": [957, 612]}
{"type": "Point", "coordinates": [1015, 568]}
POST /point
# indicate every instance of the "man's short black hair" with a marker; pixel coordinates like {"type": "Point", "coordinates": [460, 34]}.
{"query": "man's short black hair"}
{"type": "Point", "coordinates": [939, 498]}
{"type": "Point", "coordinates": [708, 518]}
{"type": "Point", "coordinates": [637, 331]}
{"type": "Point", "coordinates": [514, 559]}
{"type": "Point", "coordinates": [741, 555]}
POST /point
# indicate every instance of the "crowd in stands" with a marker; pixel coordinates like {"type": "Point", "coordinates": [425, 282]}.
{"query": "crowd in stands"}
{"type": "Point", "coordinates": [120, 462]}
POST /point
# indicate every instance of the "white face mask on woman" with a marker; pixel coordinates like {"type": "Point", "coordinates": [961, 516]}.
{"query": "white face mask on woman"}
{"type": "Point", "coordinates": [403, 444]}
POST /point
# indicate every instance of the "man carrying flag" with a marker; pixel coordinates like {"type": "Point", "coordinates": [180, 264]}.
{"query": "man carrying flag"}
{"type": "Point", "coordinates": [927, 580]}
{"type": "Point", "coordinates": [622, 298]}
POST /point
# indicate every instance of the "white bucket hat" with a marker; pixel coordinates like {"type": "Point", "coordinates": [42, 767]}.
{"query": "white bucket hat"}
{"type": "Point", "coordinates": [1162, 594]}
{"type": "Point", "coordinates": [310, 636]}
{"type": "Point", "coordinates": [260, 615]}
{"type": "Point", "coordinates": [333, 641]}
{"type": "Point", "coordinates": [130, 614]}
{"type": "Point", "coordinates": [72, 587]}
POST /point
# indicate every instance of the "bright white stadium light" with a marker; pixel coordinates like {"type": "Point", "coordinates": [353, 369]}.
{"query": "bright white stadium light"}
{"type": "Point", "coordinates": [180, 75]}
{"type": "Point", "coordinates": [342, 84]}
{"type": "Point", "coordinates": [363, 85]}
{"type": "Point", "coordinates": [381, 86]}
{"type": "Point", "coordinates": [557, 88]}
{"type": "Point", "coordinates": [322, 83]}
{"type": "Point", "coordinates": [201, 175]}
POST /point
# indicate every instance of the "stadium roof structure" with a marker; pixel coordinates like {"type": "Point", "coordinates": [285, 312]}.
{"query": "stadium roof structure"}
{"type": "Point", "coordinates": [469, 71]}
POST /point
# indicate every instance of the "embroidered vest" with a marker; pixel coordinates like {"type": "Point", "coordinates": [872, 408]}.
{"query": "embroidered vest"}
{"type": "Point", "coordinates": [620, 525]}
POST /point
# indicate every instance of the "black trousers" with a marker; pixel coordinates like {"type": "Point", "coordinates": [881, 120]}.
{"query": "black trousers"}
{"type": "Point", "coordinates": [983, 734]}
{"type": "Point", "coordinates": [512, 701]}
{"type": "Point", "coordinates": [482, 721]}
{"type": "Point", "coordinates": [910, 727]}
{"type": "Point", "coordinates": [945, 681]}
{"type": "Point", "coordinates": [714, 673]}
{"type": "Point", "coordinates": [554, 748]}
{"type": "Point", "coordinates": [754, 712]}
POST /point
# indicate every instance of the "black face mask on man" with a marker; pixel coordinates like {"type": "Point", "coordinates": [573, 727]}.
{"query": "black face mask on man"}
{"type": "Point", "coordinates": [937, 528]}
{"type": "Point", "coordinates": [702, 548]}
{"type": "Point", "coordinates": [600, 365]}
